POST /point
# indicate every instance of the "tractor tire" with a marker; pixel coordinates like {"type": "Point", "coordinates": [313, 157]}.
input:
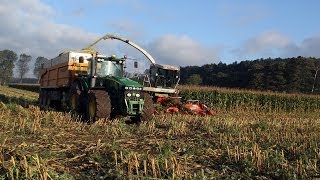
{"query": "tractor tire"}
{"type": "Point", "coordinates": [74, 101]}
{"type": "Point", "coordinates": [148, 108]}
{"type": "Point", "coordinates": [98, 106]}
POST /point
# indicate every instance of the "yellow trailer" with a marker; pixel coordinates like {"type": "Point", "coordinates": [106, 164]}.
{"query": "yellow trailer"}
{"type": "Point", "coordinates": [62, 70]}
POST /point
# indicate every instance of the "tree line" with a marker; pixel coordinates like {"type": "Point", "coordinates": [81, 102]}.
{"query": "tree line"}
{"type": "Point", "coordinates": [296, 74]}
{"type": "Point", "coordinates": [9, 60]}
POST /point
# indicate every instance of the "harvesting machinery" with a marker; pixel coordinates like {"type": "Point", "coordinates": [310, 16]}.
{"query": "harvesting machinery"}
{"type": "Point", "coordinates": [159, 80]}
{"type": "Point", "coordinates": [94, 85]}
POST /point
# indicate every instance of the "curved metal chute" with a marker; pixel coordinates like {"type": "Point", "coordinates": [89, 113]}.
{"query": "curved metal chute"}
{"type": "Point", "coordinates": [91, 50]}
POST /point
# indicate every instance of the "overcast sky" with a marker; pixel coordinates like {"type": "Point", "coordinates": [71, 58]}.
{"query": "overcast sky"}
{"type": "Point", "coordinates": [193, 32]}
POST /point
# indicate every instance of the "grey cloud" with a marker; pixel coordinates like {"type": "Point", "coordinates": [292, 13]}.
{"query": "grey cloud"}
{"type": "Point", "coordinates": [182, 50]}
{"type": "Point", "coordinates": [275, 44]}
{"type": "Point", "coordinates": [266, 44]}
{"type": "Point", "coordinates": [33, 28]}
{"type": "Point", "coordinates": [311, 46]}
{"type": "Point", "coordinates": [27, 27]}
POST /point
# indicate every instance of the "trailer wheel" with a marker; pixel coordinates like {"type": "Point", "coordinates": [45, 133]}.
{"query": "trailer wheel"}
{"type": "Point", "coordinates": [74, 102]}
{"type": "Point", "coordinates": [148, 108]}
{"type": "Point", "coordinates": [98, 106]}
{"type": "Point", "coordinates": [42, 99]}
{"type": "Point", "coordinates": [46, 100]}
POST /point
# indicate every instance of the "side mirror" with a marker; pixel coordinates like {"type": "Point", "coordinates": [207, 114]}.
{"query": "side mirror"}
{"type": "Point", "coordinates": [135, 64]}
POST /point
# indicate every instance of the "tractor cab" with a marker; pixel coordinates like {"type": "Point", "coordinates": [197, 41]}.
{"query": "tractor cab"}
{"type": "Point", "coordinates": [102, 66]}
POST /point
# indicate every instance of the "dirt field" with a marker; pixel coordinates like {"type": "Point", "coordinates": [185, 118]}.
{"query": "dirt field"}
{"type": "Point", "coordinates": [236, 143]}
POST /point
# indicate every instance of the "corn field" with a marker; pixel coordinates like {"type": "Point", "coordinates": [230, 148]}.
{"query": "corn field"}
{"type": "Point", "coordinates": [258, 101]}
{"type": "Point", "coordinates": [18, 96]}
{"type": "Point", "coordinates": [239, 142]}
{"type": "Point", "coordinates": [28, 87]}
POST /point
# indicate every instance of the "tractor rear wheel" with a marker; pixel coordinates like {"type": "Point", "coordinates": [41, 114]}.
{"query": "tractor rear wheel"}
{"type": "Point", "coordinates": [98, 106]}
{"type": "Point", "coordinates": [148, 108]}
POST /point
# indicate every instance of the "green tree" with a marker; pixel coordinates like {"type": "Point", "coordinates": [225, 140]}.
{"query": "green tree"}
{"type": "Point", "coordinates": [37, 65]}
{"type": "Point", "coordinates": [256, 76]}
{"type": "Point", "coordinates": [279, 82]}
{"type": "Point", "coordinates": [297, 74]}
{"type": "Point", "coordinates": [194, 79]}
{"type": "Point", "coordinates": [23, 65]}
{"type": "Point", "coordinates": [7, 60]}
{"type": "Point", "coordinates": [316, 74]}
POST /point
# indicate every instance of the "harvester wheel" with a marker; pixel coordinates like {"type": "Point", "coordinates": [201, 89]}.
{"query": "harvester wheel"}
{"type": "Point", "coordinates": [148, 108]}
{"type": "Point", "coordinates": [74, 102]}
{"type": "Point", "coordinates": [99, 105]}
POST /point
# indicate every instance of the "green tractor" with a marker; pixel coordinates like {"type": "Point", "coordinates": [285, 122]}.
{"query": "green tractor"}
{"type": "Point", "coordinates": [103, 92]}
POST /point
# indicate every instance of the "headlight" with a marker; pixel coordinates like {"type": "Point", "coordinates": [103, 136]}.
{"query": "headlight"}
{"type": "Point", "coordinates": [129, 94]}
{"type": "Point", "coordinates": [137, 95]}
{"type": "Point", "coordinates": [133, 88]}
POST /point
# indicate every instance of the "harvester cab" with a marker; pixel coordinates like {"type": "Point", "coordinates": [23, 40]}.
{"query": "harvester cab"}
{"type": "Point", "coordinates": [162, 80]}
{"type": "Point", "coordinates": [164, 76]}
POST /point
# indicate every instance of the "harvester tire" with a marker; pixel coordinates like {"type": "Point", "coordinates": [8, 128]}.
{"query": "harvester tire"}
{"type": "Point", "coordinates": [148, 108]}
{"type": "Point", "coordinates": [74, 102]}
{"type": "Point", "coordinates": [98, 106]}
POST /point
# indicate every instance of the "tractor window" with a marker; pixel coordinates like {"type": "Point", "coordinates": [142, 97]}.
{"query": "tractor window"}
{"type": "Point", "coordinates": [109, 68]}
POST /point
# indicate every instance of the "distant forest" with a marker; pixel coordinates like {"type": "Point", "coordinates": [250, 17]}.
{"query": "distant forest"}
{"type": "Point", "coordinates": [297, 74]}
{"type": "Point", "coordinates": [292, 75]}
